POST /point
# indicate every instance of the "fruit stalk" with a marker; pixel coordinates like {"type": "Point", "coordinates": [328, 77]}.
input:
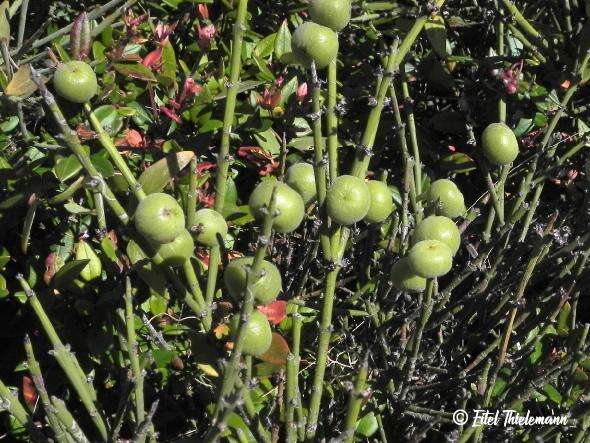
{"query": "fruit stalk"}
{"type": "Point", "coordinates": [133, 350]}
{"type": "Point", "coordinates": [409, 110]}
{"type": "Point", "coordinates": [332, 121]}
{"type": "Point", "coordinates": [223, 157]}
{"type": "Point", "coordinates": [191, 198]}
{"type": "Point", "coordinates": [67, 361]}
{"type": "Point", "coordinates": [355, 403]}
{"type": "Point", "coordinates": [401, 137]}
{"type": "Point", "coordinates": [319, 164]}
{"type": "Point", "coordinates": [35, 371]}
{"type": "Point", "coordinates": [107, 143]}
{"type": "Point", "coordinates": [222, 406]}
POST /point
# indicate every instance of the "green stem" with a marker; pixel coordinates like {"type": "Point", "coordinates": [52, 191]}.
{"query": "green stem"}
{"type": "Point", "coordinates": [223, 157]}
{"type": "Point", "coordinates": [37, 377]}
{"type": "Point", "coordinates": [332, 121]}
{"type": "Point", "coordinates": [68, 421]}
{"type": "Point", "coordinates": [427, 305]}
{"type": "Point", "coordinates": [319, 166]}
{"type": "Point", "coordinates": [67, 361]}
{"type": "Point", "coordinates": [22, 23]}
{"type": "Point", "coordinates": [525, 24]}
{"type": "Point", "coordinates": [396, 57]}
{"type": "Point", "coordinates": [322, 352]}
{"type": "Point", "coordinates": [409, 110]}
{"type": "Point", "coordinates": [292, 400]}
{"type": "Point", "coordinates": [107, 143]}
{"type": "Point", "coordinates": [355, 402]}
{"type": "Point", "coordinates": [133, 351]}
{"type": "Point", "coordinates": [12, 404]}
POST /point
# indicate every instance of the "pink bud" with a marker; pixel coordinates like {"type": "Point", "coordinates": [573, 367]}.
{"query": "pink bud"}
{"type": "Point", "coordinates": [203, 11]}
{"type": "Point", "coordinates": [154, 59]}
{"type": "Point", "coordinates": [189, 89]}
{"type": "Point", "coordinates": [302, 92]}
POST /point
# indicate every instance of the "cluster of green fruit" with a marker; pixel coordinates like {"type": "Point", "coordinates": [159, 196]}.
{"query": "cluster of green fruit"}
{"type": "Point", "coordinates": [160, 220]}
{"type": "Point", "coordinates": [257, 334]}
{"type": "Point", "coordinates": [316, 41]}
{"type": "Point", "coordinates": [436, 240]}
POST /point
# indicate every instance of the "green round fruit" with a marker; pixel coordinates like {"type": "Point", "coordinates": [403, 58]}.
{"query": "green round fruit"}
{"type": "Point", "coordinates": [348, 200]}
{"type": "Point", "coordinates": [314, 43]}
{"type": "Point", "coordinates": [258, 335]}
{"type": "Point", "coordinates": [439, 228]}
{"type": "Point", "coordinates": [178, 251]}
{"type": "Point", "coordinates": [301, 177]}
{"type": "Point", "coordinates": [208, 225]}
{"type": "Point", "coordinates": [289, 205]}
{"type": "Point", "coordinates": [404, 279]}
{"type": "Point", "coordinates": [499, 144]}
{"type": "Point", "coordinates": [381, 205]}
{"type": "Point", "coordinates": [265, 290]}
{"type": "Point", "coordinates": [430, 258]}
{"type": "Point", "coordinates": [75, 81]}
{"type": "Point", "coordinates": [445, 193]}
{"type": "Point", "coordinates": [335, 14]}
{"type": "Point", "coordinates": [159, 218]}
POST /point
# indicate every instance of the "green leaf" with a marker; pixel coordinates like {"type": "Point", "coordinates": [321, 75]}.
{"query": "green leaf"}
{"type": "Point", "coordinates": [303, 143]}
{"type": "Point", "coordinates": [244, 86]}
{"type": "Point", "coordinates": [368, 425]}
{"type": "Point", "coordinates": [9, 124]}
{"type": "Point", "coordinates": [69, 272]}
{"type": "Point", "coordinates": [145, 268]}
{"type": "Point", "coordinates": [67, 168]}
{"type": "Point", "coordinates": [109, 249]}
{"type": "Point", "coordinates": [3, 288]}
{"type": "Point", "coordinates": [135, 70]}
{"type": "Point", "coordinates": [157, 176]}
{"type": "Point", "coordinates": [4, 23]}
{"type": "Point", "coordinates": [102, 163]}
{"type": "Point", "coordinates": [237, 424]}
{"type": "Point", "coordinates": [74, 208]}
{"type": "Point", "coordinates": [110, 119]}
{"type": "Point", "coordinates": [437, 35]}
{"type": "Point", "coordinates": [283, 41]}
{"type": "Point", "coordinates": [563, 323]}
{"type": "Point", "coordinates": [553, 394]}
{"type": "Point", "coordinates": [4, 257]}
{"type": "Point", "coordinates": [169, 67]}
{"type": "Point", "coordinates": [268, 141]}
{"type": "Point", "coordinates": [457, 162]}
{"type": "Point", "coordinates": [265, 47]}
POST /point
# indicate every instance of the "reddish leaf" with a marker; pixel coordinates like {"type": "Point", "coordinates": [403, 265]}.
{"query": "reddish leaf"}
{"type": "Point", "coordinates": [29, 391]}
{"type": "Point", "coordinates": [278, 351]}
{"type": "Point", "coordinates": [276, 311]}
